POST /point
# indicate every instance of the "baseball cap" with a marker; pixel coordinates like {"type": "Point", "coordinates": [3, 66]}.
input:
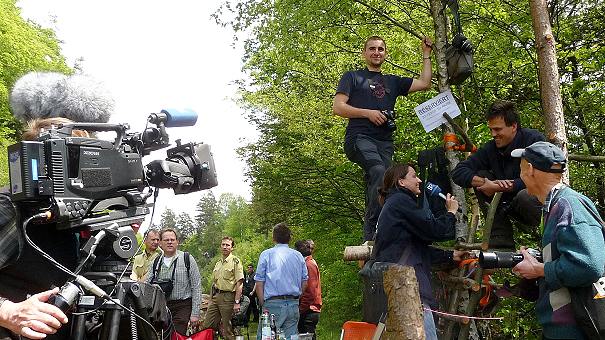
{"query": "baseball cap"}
{"type": "Point", "coordinates": [542, 156]}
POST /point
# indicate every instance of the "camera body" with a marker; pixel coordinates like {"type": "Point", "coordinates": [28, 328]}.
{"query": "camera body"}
{"type": "Point", "coordinates": [492, 260]}
{"type": "Point", "coordinates": [90, 182]}
{"type": "Point", "coordinates": [390, 116]}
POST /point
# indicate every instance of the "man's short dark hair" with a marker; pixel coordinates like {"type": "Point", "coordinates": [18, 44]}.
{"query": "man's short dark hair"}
{"type": "Point", "coordinates": [230, 239]}
{"type": "Point", "coordinates": [504, 109]}
{"type": "Point", "coordinates": [373, 38]}
{"type": "Point", "coordinates": [303, 247]}
{"type": "Point", "coordinates": [281, 233]}
{"type": "Point", "coordinates": [168, 230]}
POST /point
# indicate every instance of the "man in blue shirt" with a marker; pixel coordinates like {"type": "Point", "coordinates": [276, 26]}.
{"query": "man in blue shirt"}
{"type": "Point", "coordinates": [281, 277]}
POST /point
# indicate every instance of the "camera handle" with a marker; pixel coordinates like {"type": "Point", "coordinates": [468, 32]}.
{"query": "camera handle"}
{"type": "Point", "coordinates": [119, 129]}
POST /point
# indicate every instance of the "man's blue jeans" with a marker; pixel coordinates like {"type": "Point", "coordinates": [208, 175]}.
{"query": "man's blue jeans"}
{"type": "Point", "coordinates": [429, 326]}
{"type": "Point", "coordinates": [374, 157]}
{"type": "Point", "coordinates": [286, 316]}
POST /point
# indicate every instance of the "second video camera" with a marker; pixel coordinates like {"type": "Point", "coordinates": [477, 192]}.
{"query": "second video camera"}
{"type": "Point", "coordinates": [491, 260]}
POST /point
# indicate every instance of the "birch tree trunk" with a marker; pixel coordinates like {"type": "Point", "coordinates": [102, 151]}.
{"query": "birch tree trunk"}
{"type": "Point", "coordinates": [440, 40]}
{"type": "Point", "coordinates": [550, 91]}
{"type": "Point", "coordinates": [405, 319]}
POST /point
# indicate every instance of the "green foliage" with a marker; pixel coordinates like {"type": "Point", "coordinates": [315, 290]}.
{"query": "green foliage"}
{"type": "Point", "coordinates": [295, 53]}
{"type": "Point", "coordinates": [24, 47]}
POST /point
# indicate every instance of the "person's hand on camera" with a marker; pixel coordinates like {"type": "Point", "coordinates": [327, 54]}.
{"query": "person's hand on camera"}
{"type": "Point", "coordinates": [32, 318]}
{"type": "Point", "coordinates": [451, 204]}
{"type": "Point", "coordinates": [376, 117]}
{"type": "Point", "coordinates": [459, 255]}
{"type": "Point", "coordinates": [529, 268]}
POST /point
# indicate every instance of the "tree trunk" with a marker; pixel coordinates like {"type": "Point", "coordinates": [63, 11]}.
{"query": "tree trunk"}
{"type": "Point", "coordinates": [405, 320]}
{"type": "Point", "coordinates": [439, 21]}
{"type": "Point", "coordinates": [354, 253]}
{"type": "Point", "coordinates": [550, 92]}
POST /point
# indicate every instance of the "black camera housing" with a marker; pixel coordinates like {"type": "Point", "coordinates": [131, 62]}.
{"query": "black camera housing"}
{"type": "Point", "coordinates": [492, 260]}
{"type": "Point", "coordinates": [89, 182]}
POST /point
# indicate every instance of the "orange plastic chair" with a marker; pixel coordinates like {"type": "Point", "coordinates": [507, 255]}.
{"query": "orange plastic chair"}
{"type": "Point", "coordinates": [355, 330]}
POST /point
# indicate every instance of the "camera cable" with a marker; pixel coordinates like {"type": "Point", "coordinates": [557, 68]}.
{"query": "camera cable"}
{"type": "Point", "coordinates": [84, 282]}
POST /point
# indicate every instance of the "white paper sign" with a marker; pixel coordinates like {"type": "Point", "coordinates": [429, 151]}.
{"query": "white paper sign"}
{"type": "Point", "coordinates": [431, 112]}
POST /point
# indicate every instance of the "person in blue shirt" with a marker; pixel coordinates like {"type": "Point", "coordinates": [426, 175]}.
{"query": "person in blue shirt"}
{"type": "Point", "coordinates": [281, 277]}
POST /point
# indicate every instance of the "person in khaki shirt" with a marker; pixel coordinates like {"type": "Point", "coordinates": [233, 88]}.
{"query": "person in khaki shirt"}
{"type": "Point", "coordinates": [142, 262]}
{"type": "Point", "coordinates": [227, 281]}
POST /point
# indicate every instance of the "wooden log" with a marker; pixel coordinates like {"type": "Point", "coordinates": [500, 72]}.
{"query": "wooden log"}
{"type": "Point", "coordinates": [354, 253]}
{"type": "Point", "coordinates": [405, 319]}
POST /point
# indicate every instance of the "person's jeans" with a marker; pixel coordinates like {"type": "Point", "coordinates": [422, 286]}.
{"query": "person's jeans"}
{"type": "Point", "coordinates": [286, 316]}
{"type": "Point", "coordinates": [429, 326]}
{"type": "Point", "coordinates": [374, 157]}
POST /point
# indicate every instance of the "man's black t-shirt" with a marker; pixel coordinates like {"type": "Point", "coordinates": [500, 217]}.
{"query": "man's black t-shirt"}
{"type": "Point", "coordinates": [375, 91]}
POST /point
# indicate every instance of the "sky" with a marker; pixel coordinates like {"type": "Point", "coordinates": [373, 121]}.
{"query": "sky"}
{"type": "Point", "coordinates": [160, 54]}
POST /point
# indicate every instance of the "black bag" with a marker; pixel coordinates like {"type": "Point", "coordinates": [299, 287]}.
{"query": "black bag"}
{"type": "Point", "coordinates": [588, 311]}
{"type": "Point", "coordinates": [374, 297]}
{"type": "Point", "coordinates": [166, 285]}
{"type": "Point", "coordinates": [375, 300]}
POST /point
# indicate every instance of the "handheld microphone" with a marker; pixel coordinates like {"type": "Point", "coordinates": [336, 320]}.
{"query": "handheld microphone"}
{"type": "Point", "coordinates": [435, 190]}
{"type": "Point", "coordinates": [51, 94]}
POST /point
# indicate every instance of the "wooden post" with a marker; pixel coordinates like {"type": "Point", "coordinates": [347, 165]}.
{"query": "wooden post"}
{"type": "Point", "coordinates": [405, 319]}
{"type": "Point", "coordinates": [354, 253]}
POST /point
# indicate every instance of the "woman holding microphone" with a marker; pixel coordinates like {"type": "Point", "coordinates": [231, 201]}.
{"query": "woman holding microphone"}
{"type": "Point", "coordinates": [407, 227]}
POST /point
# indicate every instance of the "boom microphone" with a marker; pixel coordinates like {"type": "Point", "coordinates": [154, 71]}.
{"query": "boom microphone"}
{"type": "Point", "coordinates": [435, 190]}
{"type": "Point", "coordinates": [51, 94]}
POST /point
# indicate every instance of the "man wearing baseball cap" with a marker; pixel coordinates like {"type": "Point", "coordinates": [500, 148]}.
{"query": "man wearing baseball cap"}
{"type": "Point", "coordinates": [572, 240]}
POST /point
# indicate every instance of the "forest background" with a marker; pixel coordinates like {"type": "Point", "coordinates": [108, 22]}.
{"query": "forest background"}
{"type": "Point", "coordinates": [295, 53]}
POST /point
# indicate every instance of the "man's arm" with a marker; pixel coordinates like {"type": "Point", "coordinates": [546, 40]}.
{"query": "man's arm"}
{"type": "Point", "coordinates": [304, 286]}
{"type": "Point", "coordinates": [196, 291]}
{"type": "Point", "coordinates": [259, 286]}
{"type": "Point", "coordinates": [238, 295]}
{"type": "Point", "coordinates": [32, 318]}
{"type": "Point", "coordinates": [424, 81]}
{"type": "Point", "coordinates": [341, 108]}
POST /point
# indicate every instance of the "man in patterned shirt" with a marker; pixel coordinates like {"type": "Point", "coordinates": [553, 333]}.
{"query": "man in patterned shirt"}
{"type": "Point", "coordinates": [185, 297]}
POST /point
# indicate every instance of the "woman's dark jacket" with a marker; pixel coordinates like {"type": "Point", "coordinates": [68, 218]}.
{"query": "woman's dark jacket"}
{"type": "Point", "coordinates": [404, 223]}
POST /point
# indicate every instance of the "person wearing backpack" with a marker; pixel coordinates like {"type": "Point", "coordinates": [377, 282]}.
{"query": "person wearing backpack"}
{"type": "Point", "coordinates": [367, 97]}
{"type": "Point", "coordinates": [178, 275]}
{"type": "Point", "coordinates": [572, 244]}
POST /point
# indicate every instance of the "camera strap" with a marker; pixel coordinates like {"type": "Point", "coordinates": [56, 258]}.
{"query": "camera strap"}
{"type": "Point", "coordinates": [156, 266]}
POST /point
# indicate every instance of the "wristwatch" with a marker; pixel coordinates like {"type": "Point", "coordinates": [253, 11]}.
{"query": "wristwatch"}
{"type": "Point", "coordinates": [237, 302]}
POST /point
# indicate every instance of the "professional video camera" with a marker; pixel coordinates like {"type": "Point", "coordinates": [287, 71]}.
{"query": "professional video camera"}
{"type": "Point", "coordinates": [100, 188]}
{"type": "Point", "coordinates": [491, 260]}
{"type": "Point", "coordinates": [90, 184]}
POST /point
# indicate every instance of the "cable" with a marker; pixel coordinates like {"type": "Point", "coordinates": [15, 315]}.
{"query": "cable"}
{"type": "Point", "coordinates": [84, 283]}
